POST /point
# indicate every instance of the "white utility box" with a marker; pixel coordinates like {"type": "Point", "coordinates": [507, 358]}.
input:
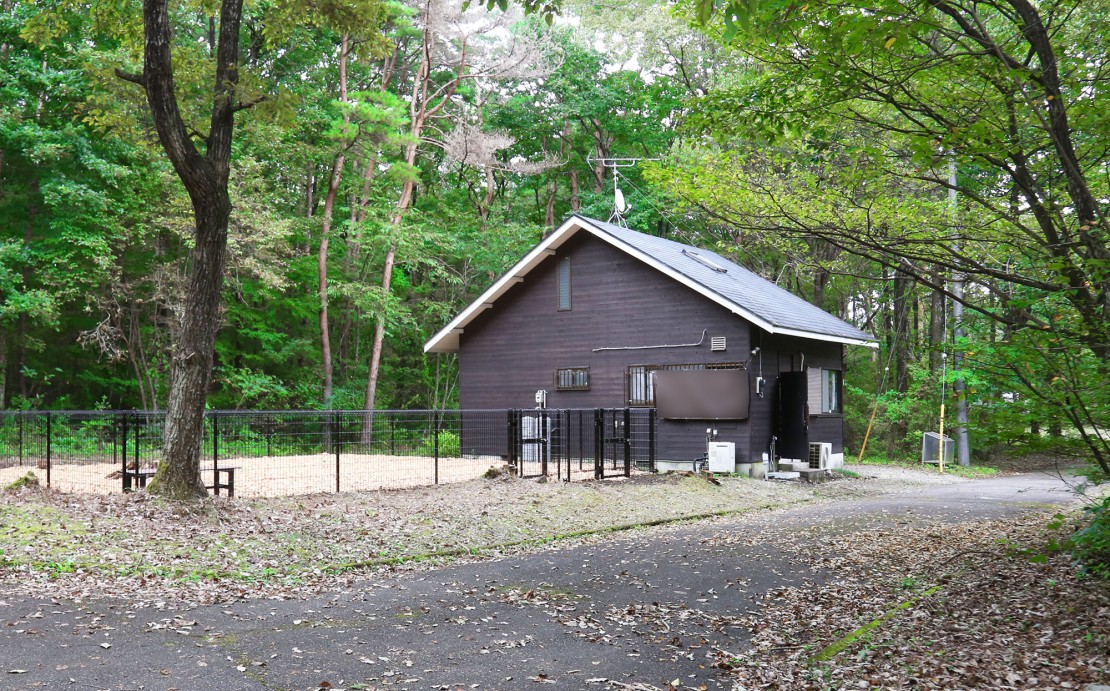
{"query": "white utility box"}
{"type": "Point", "coordinates": [722, 457]}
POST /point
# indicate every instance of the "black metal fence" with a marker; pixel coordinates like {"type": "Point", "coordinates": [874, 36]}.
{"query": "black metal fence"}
{"type": "Point", "coordinates": [279, 453]}
{"type": "Point", "coordinates": [578, 444]}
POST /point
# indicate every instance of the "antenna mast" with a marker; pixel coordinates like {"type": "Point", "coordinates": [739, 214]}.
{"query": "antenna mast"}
{"type": "Point", "coordinates": [620, 207]}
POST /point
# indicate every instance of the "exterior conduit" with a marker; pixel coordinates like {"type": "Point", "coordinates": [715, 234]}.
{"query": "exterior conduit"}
{"type": "Point", "coordinates": [651, 347]}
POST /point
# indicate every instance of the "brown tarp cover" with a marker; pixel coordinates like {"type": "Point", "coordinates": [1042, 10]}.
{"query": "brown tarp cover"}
{"type": "Point", "coordinates": [707, 394]}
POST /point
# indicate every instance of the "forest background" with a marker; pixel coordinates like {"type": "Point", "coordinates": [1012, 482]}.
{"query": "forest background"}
{"type": "Point", "coordinates": [392, 159]}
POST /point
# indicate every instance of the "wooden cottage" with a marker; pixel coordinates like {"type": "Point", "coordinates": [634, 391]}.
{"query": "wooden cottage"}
{"type": "Point", "coordinates": [603, 316]}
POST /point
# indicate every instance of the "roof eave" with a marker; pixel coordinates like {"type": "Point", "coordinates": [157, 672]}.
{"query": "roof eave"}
{"type": "Point", "coordinates": [870, 342]}
{"type": "Point", "coordinates": [446, 340]}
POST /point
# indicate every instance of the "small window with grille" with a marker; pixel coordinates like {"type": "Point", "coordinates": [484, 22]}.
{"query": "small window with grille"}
{"type": "Point", "coordinates": [564, 284]}
{"type": "Point", "coordinates": [572, 379]}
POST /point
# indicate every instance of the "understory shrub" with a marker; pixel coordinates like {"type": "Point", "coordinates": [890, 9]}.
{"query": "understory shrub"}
{"type": "Point", "coordinates": [448, 444]}
{"type": "Point", "coordinates": [1091, 544]}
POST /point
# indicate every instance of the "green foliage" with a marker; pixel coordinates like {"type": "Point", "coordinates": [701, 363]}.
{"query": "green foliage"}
{"type": "Point", "coordinates": [1091, 543]}
{"type": "Point", "coordinates": [448, 444]}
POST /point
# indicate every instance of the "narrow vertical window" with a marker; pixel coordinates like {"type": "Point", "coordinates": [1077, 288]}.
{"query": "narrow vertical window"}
{"type": "Point", "coordinates": [564, 283]}
{"type": "Point", "coordinates": [824, 391]}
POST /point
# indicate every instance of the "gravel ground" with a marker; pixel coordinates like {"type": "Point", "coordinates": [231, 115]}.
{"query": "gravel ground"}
{"type": "Point", "coordinates": [67, 545]}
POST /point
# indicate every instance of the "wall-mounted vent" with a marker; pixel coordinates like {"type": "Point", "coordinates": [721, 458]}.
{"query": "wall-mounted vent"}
{"type": "Point", "coordinates": [717, 343]}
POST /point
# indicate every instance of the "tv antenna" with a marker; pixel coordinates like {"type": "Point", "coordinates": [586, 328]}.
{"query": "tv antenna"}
{"type": "Point", "coordinates": [620, 206]}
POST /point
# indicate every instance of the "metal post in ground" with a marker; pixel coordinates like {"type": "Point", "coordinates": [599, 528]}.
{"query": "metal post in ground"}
{"type": "Point", "coordinates": [137, 429]}
{"type": "Point", "coordinates": [435, 426]}
{"type": "Point", "coordinates": [599, 444]}
{"type": "Point", "coordinates": [581, 440]}
{"type": "Point", "coordinates": [48, 464]}
{"type": "Point", "coordinates": [20, 418]}
{"type": "Point", "coordinates": [628, 442]}
{"type": "Point", "coordinates": [566, 440]}
{"type": "Point", "coordinates": [545, 444]}
{"type": "Point", "coordinates": [335, 444]}
{"type": "Point", "coordinates": [651, 440]}
{"type": "Point", "coordinates": [123, 448]}
{"type": "Point", "coordinates": [215, 447]}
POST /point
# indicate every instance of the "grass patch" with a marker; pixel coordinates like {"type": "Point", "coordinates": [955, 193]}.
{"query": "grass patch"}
{"type": "Point", "coordinates": [972, 471]}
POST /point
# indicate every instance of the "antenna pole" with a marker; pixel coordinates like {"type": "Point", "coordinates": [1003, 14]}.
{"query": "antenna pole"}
{"type": "Point", "coordinates": [616, 164]}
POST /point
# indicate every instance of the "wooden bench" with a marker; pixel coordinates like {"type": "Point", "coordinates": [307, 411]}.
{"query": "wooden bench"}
{"type": "Point", "coordinates": [136, 478]}
{"type": "Point", "coordinates": [223, 479]}
{"type": "Point", "coordinates": [227, 474]}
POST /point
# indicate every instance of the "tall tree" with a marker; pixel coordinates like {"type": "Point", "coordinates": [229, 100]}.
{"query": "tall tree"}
{"type": "Point", "coordinates": [204, 175]}
{"type": "Point", "coordinates": [1005, 88]}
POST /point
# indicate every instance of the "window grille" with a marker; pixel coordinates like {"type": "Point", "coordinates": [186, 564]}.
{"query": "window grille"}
{"type": "Point", "coordinates": [572, 379]}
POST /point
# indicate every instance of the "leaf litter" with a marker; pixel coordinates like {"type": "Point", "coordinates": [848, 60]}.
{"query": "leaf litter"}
{"type": "Point", "coordinates": [990, 604]}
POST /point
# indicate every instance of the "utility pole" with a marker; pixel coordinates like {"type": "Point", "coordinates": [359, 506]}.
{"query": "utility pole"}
{"type": "Point", "coordinates": [963, 443]}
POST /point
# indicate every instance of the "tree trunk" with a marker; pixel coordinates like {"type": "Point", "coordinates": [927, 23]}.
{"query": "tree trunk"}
{"type": "Point", "coordinates": [575, 203]}
{"type": "Point", "coordinates": [937, 318]}
{"type": "Point", "coordinates": [325, 236]}
{"type": "Point", "coordinates": [3, 368]}
{"type": "Point", "coordinates": [205, 177]}
{"type": "Point", "coordinates": [191, 375]}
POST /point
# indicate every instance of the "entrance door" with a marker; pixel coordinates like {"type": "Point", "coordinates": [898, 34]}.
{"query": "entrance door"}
{"type": "Point", "coordinates": [792, 425]}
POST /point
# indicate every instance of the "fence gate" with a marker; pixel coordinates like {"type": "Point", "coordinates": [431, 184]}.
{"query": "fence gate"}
{"type": "Point", "coordinates": [613, 437]}
{"type": "Point", "coordinates": [530, 441]}
{"type": "Point", "coordinates": [579, 444]}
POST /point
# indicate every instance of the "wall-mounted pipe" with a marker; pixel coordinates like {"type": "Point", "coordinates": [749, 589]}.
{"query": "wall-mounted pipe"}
{"type": "Point", "coordinates": [704, 332]}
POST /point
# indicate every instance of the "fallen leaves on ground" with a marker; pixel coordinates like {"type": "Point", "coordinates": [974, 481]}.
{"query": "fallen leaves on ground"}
{"type": "Point", "coordinates": [975, 605]}
{"type": "Point", "coordinates": [154, 552]}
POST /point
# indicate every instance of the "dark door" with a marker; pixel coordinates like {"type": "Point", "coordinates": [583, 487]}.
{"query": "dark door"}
{"type": "Point", "coordinates": [792, 424]}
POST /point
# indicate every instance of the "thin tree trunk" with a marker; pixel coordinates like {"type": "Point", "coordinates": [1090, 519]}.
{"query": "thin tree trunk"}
{"type": "Point", "coordinates": [3, 368]}
{"type": "Point", "coordinates": [325, 235]}
{"type": "Point", "coordinates": [575, 202]}
{"type": "Point", "coordinates": [902, 344]}
{"type": "Point", "coordinates": [420, 110]}
{"type": "Point", "coordinates": [133, 356]}
{"type": "Point", "coordinates": [937, 318]}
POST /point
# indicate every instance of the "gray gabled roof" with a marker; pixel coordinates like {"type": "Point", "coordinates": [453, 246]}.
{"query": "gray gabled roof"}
{"type": "Point", "coordinates": [742, 292]}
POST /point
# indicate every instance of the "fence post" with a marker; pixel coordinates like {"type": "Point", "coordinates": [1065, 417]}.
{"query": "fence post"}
{"type": "Point", "coordinates": [566, 440]}
{"type": "Point", "coordinates": [335, 444]}
{"type": "Point", "coordinates": [545, 442]}
{"type": "Point", "coordinates": [651, 439]}
{"type": "Point", "coordinates": [628, 442]}
{"type": "Point", "coordinates": [123, 450]}
{"type": "Point", "coordinates": [135, 417]}
{"type": "Point", "coordinates": [599, 443]}
{"type": "Point", "coordinates": [581, 440]}
{"type": "Point", "coordinates": [510, 437]}
{"type": "Point", "coordinates": [215, 446]}
{"type": "Point", "coordinates": [20, 418]}
{"type": "Point", "coordinates": [392, 436]}
{"type": "Point", "coordinates": [435, 425]}
{"type": "Point", "coordinates": [48, 440]}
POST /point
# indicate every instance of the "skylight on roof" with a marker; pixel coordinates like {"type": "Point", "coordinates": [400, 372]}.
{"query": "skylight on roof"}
{"type": "Point", "coordinates": [705, 261]}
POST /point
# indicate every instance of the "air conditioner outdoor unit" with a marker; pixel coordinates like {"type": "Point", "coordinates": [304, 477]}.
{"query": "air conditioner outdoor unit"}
{"type": "Point", "coordinates": [722, 457]}
{"type": "Point", "coordinates": [819, 454]}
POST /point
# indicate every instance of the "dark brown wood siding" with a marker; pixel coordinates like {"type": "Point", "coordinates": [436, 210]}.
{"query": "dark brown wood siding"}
{"type": "Point", "coordinates": [513, 348]}
{"type": "Point", "coordinates": [787, 354]}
